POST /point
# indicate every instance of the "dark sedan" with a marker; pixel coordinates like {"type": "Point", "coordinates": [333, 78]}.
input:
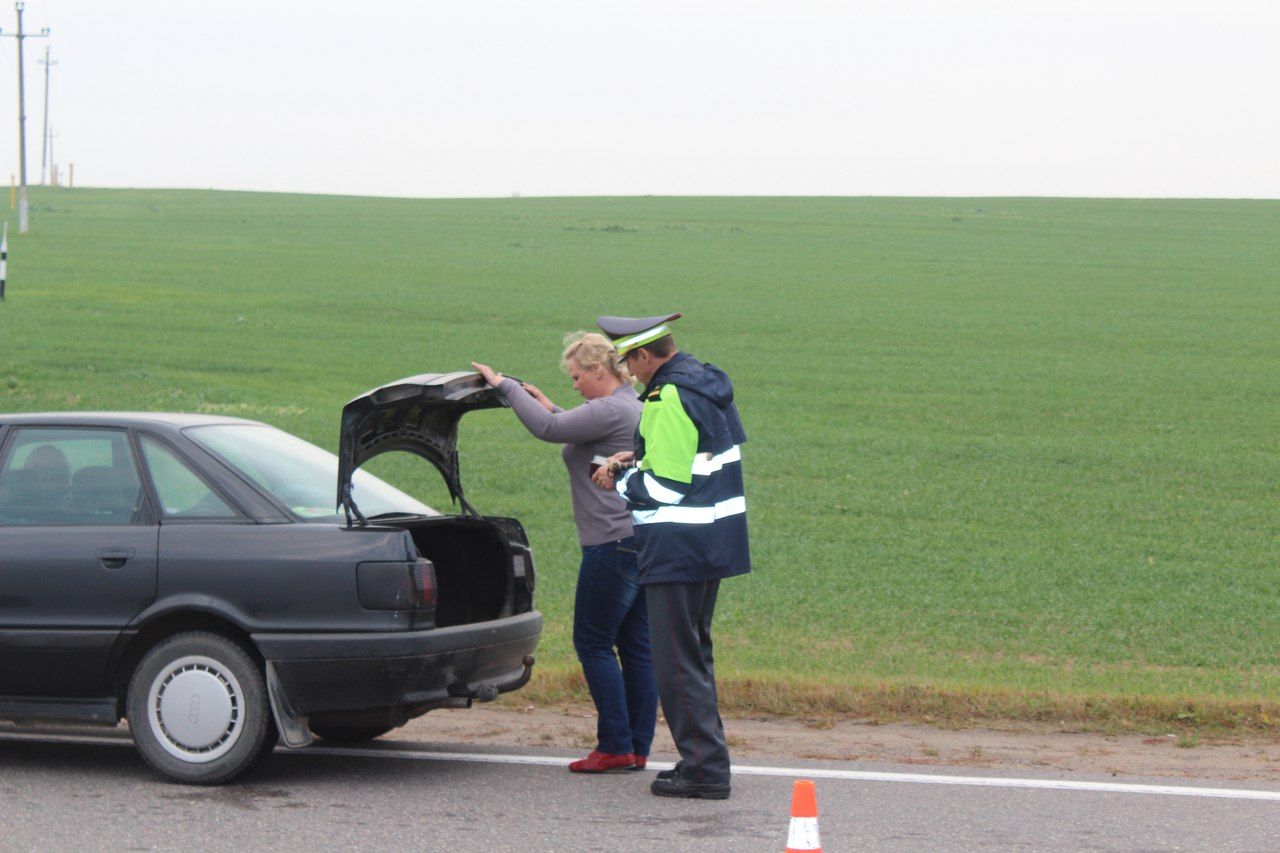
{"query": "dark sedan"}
{"type": "Point", "coordinates": [199, 576]}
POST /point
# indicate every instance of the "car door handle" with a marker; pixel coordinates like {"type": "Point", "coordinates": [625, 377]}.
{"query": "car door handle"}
{"type": "Point", "coordinates": [115, 558]}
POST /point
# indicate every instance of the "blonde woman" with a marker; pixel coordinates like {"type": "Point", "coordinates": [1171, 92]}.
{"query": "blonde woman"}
{"type": "Point", "coordinates": [610, 621]}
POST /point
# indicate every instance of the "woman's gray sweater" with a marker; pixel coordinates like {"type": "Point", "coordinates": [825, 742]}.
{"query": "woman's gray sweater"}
{"type": "Point", "coordinates": [599, 427]}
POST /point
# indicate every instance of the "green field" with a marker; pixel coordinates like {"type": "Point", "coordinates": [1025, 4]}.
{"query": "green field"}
{"type": "Point", "coordinates": [1020, 453]}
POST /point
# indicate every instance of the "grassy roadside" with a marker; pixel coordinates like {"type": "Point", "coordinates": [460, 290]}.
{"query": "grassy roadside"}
{"type": "Point", "coordinates": [1008, 458]}
{"type": "Point", "coordinates": [823, 704]}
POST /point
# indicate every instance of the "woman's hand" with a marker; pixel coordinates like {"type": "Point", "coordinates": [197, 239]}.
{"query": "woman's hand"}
{"type": "Point", "coordinates": [537, 394]}
{"type": "Point", "coordinates": [490, 375]}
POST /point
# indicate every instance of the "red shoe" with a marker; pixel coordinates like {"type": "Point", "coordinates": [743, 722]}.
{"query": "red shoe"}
{"type": "Point", "coordinates": [641, 761]}
{"type": "Point", "coordinates": [602, 762]}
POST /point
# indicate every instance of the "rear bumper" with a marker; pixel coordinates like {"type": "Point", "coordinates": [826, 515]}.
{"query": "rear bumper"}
{"type": "Point", "coordinates": [352, 672]}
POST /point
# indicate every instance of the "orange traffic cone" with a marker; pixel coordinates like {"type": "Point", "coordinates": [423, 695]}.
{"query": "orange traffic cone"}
{"type": "Point", "coordinates": [803, 835]}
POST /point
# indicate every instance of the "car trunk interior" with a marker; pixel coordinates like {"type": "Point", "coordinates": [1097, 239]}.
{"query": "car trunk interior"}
{"type": "Point", "coordinates": [472, 565]}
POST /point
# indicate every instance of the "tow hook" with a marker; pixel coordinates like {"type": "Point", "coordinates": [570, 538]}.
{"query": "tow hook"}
{"type": "Point", "coordinates": [488, 691]}
{"type": "Point", "coordinates": [524, 676]}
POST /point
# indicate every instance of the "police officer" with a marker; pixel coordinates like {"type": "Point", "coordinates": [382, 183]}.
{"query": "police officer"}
{"type": "Point", "coordinates": [683, 485]}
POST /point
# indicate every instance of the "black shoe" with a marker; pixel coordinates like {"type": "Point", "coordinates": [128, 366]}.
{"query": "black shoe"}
{"type": "Point", "coordinates": [678, 786]}
{"type": "Point", "coordinates": [672, 773]}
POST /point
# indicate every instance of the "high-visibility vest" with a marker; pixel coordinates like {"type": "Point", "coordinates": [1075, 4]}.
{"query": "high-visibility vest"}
{"type": "Point", "coordinates": [686, 492]}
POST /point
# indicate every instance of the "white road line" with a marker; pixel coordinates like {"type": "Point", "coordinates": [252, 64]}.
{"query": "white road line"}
{"type": "Point", "coordinates": [1001, 782]}
{"type": "Point", "coordinates": [739, 769]}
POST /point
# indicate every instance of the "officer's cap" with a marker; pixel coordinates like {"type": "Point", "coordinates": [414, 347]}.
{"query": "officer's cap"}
{"type": "Point", "coordinates": [627, 333]}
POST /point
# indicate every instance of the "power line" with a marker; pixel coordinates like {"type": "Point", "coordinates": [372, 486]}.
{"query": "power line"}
{"type": "Point", "coordinates": [22, 117]}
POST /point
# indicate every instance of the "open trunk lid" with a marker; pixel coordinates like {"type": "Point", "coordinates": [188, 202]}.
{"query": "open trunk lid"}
{"type": "Point", "coordinates": [418, 414]}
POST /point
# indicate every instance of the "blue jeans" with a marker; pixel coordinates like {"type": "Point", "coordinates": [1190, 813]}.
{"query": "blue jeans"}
{"type": "Point", "coordinates": [609, 611]}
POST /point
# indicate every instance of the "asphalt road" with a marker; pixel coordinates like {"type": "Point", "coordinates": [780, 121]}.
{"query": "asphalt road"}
{"type": "Point", "coordinates": [89, 790]}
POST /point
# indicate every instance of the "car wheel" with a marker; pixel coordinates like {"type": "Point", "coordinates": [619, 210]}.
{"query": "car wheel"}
{"type": "Point", "coordinates": [350, 734]}
{"type": "Point", "coordinates": [197, 709]}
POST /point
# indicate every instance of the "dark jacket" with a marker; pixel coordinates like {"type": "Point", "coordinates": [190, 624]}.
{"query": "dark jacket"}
{"type": "Point", "coordinates": [686, 495]}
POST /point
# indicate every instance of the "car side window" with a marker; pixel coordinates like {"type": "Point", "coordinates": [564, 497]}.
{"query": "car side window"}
{"type": "Point", "coordinates": [182, 493]}
{"type": "Point", "coordinates": [69, 477]}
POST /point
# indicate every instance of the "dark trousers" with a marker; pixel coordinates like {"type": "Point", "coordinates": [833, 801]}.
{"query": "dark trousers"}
{"type": "Point", "coordinates": [608, 612]}
{"type": "Point", "coordinates": [680, 635]}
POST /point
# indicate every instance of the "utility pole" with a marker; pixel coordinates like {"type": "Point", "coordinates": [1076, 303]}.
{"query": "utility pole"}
{"type": "Point", "coordinates": [48, 144]}
{"type": "Point", "coordinates": [53, 162]}
{"type": "Point", "coordinates": [22, 119]}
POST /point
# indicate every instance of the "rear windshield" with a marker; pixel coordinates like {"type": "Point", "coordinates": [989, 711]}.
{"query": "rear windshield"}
{"type": "Point", "coordinates": [298, 474]}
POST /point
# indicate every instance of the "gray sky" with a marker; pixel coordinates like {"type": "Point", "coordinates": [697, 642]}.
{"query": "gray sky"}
{"type": "Point", "coordinates": [592, 97]}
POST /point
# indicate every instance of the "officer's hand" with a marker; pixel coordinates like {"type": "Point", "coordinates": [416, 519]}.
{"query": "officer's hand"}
{"type": "Point", "coordinates": [603, 478]}
{"type": "Point", "coordinates": [606, 474]}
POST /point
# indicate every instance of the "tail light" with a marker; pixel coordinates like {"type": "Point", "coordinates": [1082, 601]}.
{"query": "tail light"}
{"type": "Point", "coordinates": [423, 575]}
{"type": "Point", "coordinates": [522, 567]}
{"type": "Point", "coordinates": [397, 585]}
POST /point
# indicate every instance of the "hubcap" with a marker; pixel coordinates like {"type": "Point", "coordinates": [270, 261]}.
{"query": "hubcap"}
{"type": "Point", "coordinates": [195, 709]}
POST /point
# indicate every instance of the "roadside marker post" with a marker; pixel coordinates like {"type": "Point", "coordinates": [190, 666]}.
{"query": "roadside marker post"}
{"type": "Point", "coordinates": [4, 258]}
{"type": "Point", "coordinates": [802, 836]}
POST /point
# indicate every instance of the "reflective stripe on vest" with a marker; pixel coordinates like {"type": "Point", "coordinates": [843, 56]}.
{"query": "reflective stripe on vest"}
{"type": "Point", "coordinates": [690, 514]}
{"type": "Point", "coordinates": [704, 464]}
{"type": "Point", "coordinates": [659, 492]}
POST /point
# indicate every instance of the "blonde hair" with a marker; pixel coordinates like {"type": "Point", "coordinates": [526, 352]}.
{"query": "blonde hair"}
{"type": "Point", "coordinates": [588, 349]}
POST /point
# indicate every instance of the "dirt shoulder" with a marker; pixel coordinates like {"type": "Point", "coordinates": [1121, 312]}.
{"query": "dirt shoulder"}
{"type": "Point", "coordinates": [781, 741]}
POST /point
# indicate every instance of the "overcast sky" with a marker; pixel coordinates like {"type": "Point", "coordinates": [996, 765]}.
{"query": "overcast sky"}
{"type": "Point", "coordinates": [561, 97]}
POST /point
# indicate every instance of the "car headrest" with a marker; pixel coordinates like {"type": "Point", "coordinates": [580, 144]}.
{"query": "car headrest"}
{"type": "Point", "coordinates": [19, 486]}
